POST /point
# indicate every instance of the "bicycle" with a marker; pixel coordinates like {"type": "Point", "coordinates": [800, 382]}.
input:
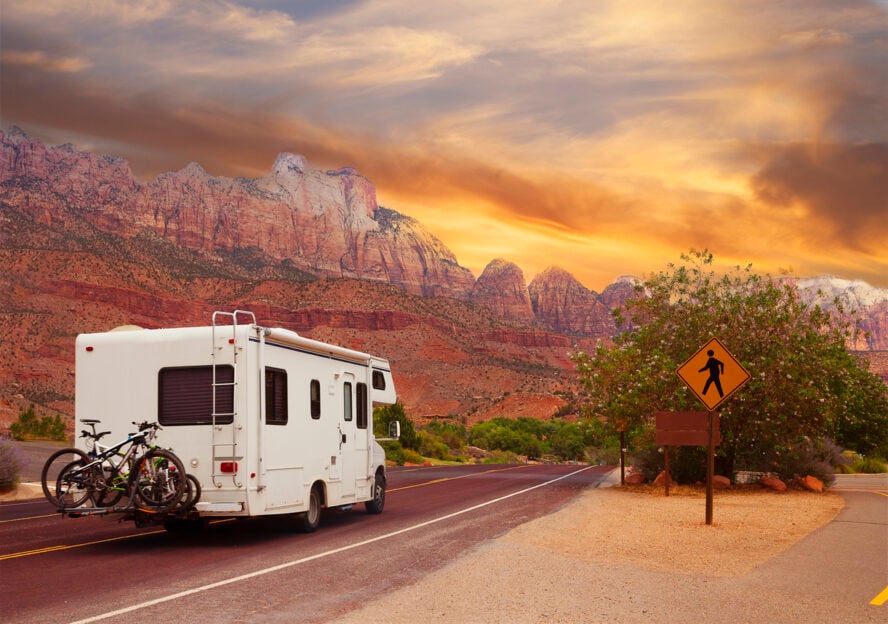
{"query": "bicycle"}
{"type": "Point", "coordinates": [53, 466]}
{"type": "Point", "coordinates": [150, 476]}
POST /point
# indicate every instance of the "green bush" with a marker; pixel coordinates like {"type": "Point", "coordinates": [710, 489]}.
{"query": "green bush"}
{"type": "Point", "coordinates": [12, 462]}
{"type": "Point", "coordinates": [501, 457]}
{"type": "Point", "coordinates": [412, 457]}
{"type": "Point", "coordinates": [870, 465]}
{"type": "Point", "coordinates": [394, 452]}
{"type": "Point", "coordinates": [29, 427]}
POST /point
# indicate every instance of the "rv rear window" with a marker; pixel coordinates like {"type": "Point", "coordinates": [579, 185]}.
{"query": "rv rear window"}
{"type": "Point", "coordinates": [275, 396]}
{"type": "Point", "coordinates": [315, 398]}
{"type": "Point", "coordinates": [185, 395]}
{"type": "Point", "coordinates": [378, 380]}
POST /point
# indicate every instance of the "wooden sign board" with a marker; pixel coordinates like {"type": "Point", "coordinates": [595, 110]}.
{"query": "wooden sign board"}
{"type": "Point", "coordinates": [686, 429]}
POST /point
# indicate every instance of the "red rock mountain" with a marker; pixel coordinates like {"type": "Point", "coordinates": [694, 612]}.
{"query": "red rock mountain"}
{"type": "Point", "coordinates": [86, 247]}
{"type": "Point", "coordinates": [326, 223]}
{"type": "Point", "coordinates": [502, 290]}
{"type": "Point", "coordinates": [565, 305]}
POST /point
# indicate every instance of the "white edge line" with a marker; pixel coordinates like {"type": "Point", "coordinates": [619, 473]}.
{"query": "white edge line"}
{"type": "Point", "coordinates": [289, 564]}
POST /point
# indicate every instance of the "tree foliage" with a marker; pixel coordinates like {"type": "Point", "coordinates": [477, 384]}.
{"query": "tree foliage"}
{"type": "Point", "coordinates": [805, 383]}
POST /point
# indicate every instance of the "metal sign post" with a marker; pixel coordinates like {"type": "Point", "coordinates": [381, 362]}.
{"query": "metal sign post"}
{"type": "Point", "coordinates": [713, 375]}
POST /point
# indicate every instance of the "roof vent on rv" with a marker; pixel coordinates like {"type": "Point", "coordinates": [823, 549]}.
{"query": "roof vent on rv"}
{"type": "Point", "coordinates": [126, 328]}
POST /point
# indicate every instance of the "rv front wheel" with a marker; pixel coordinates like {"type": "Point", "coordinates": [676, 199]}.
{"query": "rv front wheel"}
{"type": "Point", "coordinates": [375, 505]}
{"type": "Point", "coordinates": [310, 520]}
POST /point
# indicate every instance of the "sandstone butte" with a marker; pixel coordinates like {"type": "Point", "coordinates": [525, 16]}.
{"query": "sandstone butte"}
{"type": "Point", "coordinates": [86, 247]}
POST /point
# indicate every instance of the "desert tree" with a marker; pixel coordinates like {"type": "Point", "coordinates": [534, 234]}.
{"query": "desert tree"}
{"type": "Point", "coordinates": [805, 383]}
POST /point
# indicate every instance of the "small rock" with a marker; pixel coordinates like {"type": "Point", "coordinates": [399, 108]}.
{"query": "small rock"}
{"type": "Point", "coordinates": [812, 484]}
{"type": "Point", "coordinates": [772, 483]}
{"type": "Point", "coordinates": [635, 479]}
{"type": "Point", "coordinates": [721, 483]}
{"type": "Point", "coordinates": [661, 479]}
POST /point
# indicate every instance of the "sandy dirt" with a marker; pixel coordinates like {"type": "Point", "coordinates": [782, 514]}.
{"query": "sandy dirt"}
{"type": "Point", "coordinates": [582, 563]}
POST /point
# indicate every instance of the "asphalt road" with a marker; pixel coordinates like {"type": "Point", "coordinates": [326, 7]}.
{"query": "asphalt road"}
{"type": "Point", "coordinates": [55, 569]}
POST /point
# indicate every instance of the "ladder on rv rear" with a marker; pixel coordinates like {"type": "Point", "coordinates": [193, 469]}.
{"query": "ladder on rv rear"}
{"type": "Point", "coordinates": [225, 452]}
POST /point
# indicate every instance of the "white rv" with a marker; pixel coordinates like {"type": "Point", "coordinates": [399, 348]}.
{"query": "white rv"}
{"type": "Point", "coordinates": [269, 422]}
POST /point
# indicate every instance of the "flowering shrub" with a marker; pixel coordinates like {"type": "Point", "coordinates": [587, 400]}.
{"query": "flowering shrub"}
{"type": "Point", "coordinates": [12, 462]}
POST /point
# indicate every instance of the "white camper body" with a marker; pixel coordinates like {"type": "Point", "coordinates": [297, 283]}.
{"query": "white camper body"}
{"type": "Point", "coordinates": [261, 417]}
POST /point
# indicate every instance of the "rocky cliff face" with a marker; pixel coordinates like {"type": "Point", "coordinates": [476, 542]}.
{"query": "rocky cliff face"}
{"type": "Point", "coordinates": [324, 222]}
{"type": "Point", "coordinates": [86, 247]}
{"type": "Point", "coordinates": [564, 305]}
{"type": "Point", "coordinates": [502, 290]}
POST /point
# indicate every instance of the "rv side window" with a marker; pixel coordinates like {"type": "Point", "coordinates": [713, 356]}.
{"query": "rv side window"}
{"type": "Point", "coordinates": [275, 396]}
{"type": "Point", "coordinates": [378, 380]}
{"type": "Point", "coordinates": [362, 405]}
{"type": "Point", "coordinates": [315, 397]}
{"type": "Point", "coordinates": [347, 401]}
{"type": "Point", "coordinates": [185, 395]}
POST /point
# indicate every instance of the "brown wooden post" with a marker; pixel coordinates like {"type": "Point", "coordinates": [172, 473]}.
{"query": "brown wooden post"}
{"type": "Point", "coordinates": [666, 468]}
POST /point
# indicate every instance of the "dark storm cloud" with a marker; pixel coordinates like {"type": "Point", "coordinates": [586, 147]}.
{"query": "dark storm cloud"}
{"type": "Point", "coordinates": [844, 187]}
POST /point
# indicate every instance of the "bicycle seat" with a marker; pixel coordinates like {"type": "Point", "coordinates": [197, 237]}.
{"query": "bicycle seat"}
{"type": "Point", "coordinates": [89, 421]}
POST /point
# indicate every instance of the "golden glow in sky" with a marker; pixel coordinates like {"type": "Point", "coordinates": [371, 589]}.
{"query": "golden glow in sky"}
{"type": "Point", "coordinates": [604, 137]}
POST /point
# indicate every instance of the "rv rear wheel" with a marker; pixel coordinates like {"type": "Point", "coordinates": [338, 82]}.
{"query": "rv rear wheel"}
{"type": "Point", "coordinates": [375, 505]}
{"type": "Point", "coordinates": [310, 520]}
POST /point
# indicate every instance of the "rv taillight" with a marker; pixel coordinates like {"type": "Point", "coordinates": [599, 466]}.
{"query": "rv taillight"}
{"type": "Point", "coordinates": [231, 341]}
{"type": "Point", "coordinates": [89, 348]}
{"type": "Point", "coordinates": [228, 467]}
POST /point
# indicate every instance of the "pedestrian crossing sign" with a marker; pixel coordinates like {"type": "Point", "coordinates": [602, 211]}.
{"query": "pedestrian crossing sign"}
{"type": "Point", "coordinates": [713, 374]}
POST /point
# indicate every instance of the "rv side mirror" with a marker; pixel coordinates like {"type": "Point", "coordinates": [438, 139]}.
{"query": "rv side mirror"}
{"type": "Point", "coordinates": [394, 429]}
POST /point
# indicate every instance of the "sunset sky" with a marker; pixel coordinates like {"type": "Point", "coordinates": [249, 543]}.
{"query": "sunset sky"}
{"type": "Point", "coordinates": [605, 137]}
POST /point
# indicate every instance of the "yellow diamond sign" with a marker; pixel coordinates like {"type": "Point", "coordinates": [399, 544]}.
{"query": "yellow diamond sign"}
{"type": "Point", "coordinates": [713, 374]}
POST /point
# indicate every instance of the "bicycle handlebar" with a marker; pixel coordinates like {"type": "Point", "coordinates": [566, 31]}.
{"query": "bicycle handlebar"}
{"type": "Point", "coordinates": [147, 425]}
{"type": "Point", "coordinates": [95, 436]}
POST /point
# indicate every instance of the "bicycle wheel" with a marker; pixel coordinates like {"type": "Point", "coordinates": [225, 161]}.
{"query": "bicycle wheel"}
{"type": "Point", "coordinates": [158, 480]}
{"type": "Point", "coordinates": [190, 495]}
{"type": "Point", "coordinates": [74, 485]}
{"type": "Point", "coordinates": [53, 467]}
{"type": "Point", "coordinates": [110, 487]}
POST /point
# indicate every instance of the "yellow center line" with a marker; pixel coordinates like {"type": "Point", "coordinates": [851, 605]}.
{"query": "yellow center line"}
{"type": "Point", "coordinates": [29, 518]}
{"type": "Point", "coordinates": [443, 479]}
{"type": "Point", "coordinates": [881, 493]}
{"type": "Point", "coordinates": [40, 551]}
{"type": "Point", "coordinates": [881, 599]}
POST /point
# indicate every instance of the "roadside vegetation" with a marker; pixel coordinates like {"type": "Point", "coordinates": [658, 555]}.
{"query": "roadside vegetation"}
{"type": "Point", "coordinates": [809, 401]}
{"type": "Point", "coordinates": [29, 426]}
{"type": "Point", "coordinates": [12, 463]}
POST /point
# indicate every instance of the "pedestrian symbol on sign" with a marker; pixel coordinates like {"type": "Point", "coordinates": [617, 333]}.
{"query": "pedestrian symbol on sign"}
{"type": "Point", "coordinates": [716, 368]}
{"type": "Point", "coordinates": [723, 370]}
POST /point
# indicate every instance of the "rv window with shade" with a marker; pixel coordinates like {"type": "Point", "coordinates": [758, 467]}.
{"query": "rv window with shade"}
{"type": "Point", "coordinates": [185, 395]}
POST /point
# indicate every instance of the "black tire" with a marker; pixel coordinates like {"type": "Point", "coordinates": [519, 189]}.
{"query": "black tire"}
{"type": "Point", "coordinates": [308, 522]}
{"type": "Point", "coordinates": [376, 504]}
{"type": "Point", "coordinates": [190, 495]}
{"type": "Point", "coordinates": [110, 487]}
{"type": "Point", "coordinates": [157, 480]}
{"type": "Point", "coordinates": [52, 469]}
{"type": "Point", "coordinates": [74, 485]}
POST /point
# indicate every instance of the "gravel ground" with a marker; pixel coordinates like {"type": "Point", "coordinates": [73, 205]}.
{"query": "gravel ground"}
{"type": "Point", "coordinates": [617, 555]}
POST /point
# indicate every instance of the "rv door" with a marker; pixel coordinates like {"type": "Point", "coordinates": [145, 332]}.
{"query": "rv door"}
{"type": "Point", "coordinates": [346, 459]}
